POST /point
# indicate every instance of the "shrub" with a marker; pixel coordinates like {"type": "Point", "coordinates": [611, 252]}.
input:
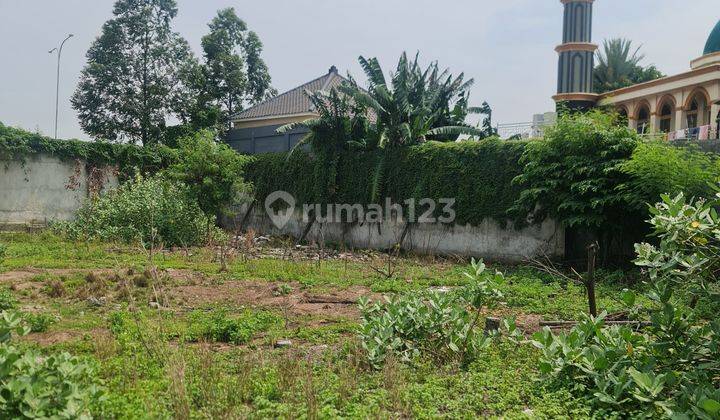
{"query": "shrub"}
{"type": "Point", "coordinates": [441, 324]}
{"type": "Point", "coordinates": [671, 369]}
{"type": "Point", "coordinates": [574, 175]}
{"type": "Point", "coordinates": [211, 170]}
{"type": "Point", "coordinates": [220, 326]}
{"type": "Point", "coordinates": [659, 168]}
{"type": "Point", "coordinates": [151, 210]}
{"type": "Point", "coordinates": [35, 386]}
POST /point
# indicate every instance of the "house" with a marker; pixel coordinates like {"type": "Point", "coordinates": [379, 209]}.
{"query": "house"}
{"type": "Point", "coordinates": [254, 129]}
{"type": "Point", "coordinates": [682, 106]}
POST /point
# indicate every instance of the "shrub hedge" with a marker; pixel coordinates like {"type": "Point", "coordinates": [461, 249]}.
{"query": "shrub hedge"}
{"type": "Point", "coordinates": [18, 145]}
{"type": "Point", "coordinates": [477, 174]}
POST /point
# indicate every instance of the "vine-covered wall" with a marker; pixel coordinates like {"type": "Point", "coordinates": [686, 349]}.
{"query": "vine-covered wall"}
{"type": "Point", "coordinates": [18, 145]}
{"type": "Point", "coordinates": [477, 174]}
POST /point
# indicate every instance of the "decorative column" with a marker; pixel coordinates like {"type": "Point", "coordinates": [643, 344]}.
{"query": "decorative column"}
{"type": "Point", "coordinates": [576, 57]}
{"type": "Point", "coordinates": [654, 128]}
{"type": "Point", "coordinates": [714, 110]}
{"type": "Point", "coordinates": [679, 117]}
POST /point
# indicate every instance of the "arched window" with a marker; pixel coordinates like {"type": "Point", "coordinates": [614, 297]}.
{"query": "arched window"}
{"type": "Point", "coordinates": [666, 118]}
{"type": "Point", "coordinates": [692, 114]}
{"type": "Point", "coordinates": [643, 120]}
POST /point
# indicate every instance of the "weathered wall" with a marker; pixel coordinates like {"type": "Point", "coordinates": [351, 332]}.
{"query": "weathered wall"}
{"type": "Point", "coordinates": [43, 189]}
{"type": "Point", "coordinates": [490, 240]}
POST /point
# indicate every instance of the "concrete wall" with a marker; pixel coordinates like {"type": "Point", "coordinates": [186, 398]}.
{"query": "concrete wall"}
{"type": "Point", "coordinates": [490, 240]}
{"type": "Point", "coordinates": [43, 189]}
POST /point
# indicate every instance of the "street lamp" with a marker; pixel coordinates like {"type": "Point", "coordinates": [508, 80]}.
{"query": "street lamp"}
{"type": "Point", "coordinates": [57, 87]}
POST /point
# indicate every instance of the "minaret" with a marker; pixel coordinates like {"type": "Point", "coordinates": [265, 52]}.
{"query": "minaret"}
{"type": "Point", "coordinates": [577, 57]}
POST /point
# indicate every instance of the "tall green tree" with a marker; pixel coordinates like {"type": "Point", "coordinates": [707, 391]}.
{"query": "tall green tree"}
{"type": "Point", "coordinates": [415, 105]}
{"type": "Point", "coordinates": [132, 82]}
{"type": "Point", "coordinates": [234, 72]}
{"type": "Point", "coordinates": [619, 66]}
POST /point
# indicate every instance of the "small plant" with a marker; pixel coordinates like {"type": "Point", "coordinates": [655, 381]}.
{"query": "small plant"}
{"type": "Point", "coordinates": [38, 322]}
{"type": "Point", "coordinates": [55, 288]}
{"type": "Point", "coordinates": [3, 252]}
{"type": "Point", "coordinates": [49, 386]}
{"type": "Point", "coordinates": [441, 324]}
{"type": "Point", "coordinates": [283, 289]}
{"type": "Point", "coordinates": [7, 300]}
{"type": "Point", "coordinates": [220, 326]}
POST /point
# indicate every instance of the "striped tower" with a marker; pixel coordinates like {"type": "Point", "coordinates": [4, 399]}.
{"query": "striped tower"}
{"type": "Point", "coordinates": [577, 57]}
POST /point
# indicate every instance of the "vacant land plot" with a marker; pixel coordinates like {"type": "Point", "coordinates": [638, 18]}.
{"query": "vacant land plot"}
{"type": "Point", "coordinates": [271, 331]}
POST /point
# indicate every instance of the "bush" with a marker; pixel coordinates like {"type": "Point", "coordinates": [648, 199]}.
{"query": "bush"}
{"type": "Point", "coordinates": [574, 175]}
{"type": "Point", "coordinates": [478, 174]}
{"type": "Point", "coordinates": [670, 369]}
{"type": "Point", "coordinates": [659, 168]}
{"type": "Point", "coordinates": [35, 386]}
{"type": "Point", "coordinates": [211, 170]}
{"type": "Point", "coordinates": [442, 325]}
{"type": "Point", "coordinates": [151, 210]}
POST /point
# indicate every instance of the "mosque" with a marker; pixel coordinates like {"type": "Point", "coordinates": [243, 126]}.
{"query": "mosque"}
{"type": "Point", "coordinates": [683, 106]}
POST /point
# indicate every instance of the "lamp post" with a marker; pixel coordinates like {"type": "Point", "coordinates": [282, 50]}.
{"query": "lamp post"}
{"type": "Point", "coordinates": [57, 87]}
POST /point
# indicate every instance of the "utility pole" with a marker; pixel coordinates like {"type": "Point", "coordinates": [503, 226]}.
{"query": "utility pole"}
{"type": "Point", "coordinates": [57, 86]}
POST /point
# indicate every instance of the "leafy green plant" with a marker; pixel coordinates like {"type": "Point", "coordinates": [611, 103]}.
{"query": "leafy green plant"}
{"type": "Point", "coordinates": [7, 300]}
{"type": "Point", "coordinates": [211, 170]}
{"type": "Point", "coordinates": [574, 175]}
{"type": "Point", "coordinates": [658, 168]}
{"type": "Point", "coordinates": [440, 324]}
{"type": "Point", "coordinates": [38, 321]}
{"type": "Point", "coordinates": [36, 386]}
{"type": "Point", "coordinates": [219, 325]}
{"type": "Point", "coordinates": [151, 210]}
{"type": "Point", "coordinates": [3, 252]}
{"type": "Point", "coordinates": [416, 105]}
{"type": "Point", "coordinates": [671, 368]}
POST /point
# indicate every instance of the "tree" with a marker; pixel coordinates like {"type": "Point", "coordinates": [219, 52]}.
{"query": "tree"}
{"type": "Point", "coordinates": [417, 105]}
{"type": "Point", "coordinates": [487, 128]}
{"type": "Point", "coordinates": [234, 72]}
{"type": "Point", "coordinates": [619, 66]}
{"type": "Point", "coordinates": [132, 82]}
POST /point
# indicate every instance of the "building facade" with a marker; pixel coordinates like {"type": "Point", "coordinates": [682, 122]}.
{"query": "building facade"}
{"type": "Point", "coordinates": [683, 106]}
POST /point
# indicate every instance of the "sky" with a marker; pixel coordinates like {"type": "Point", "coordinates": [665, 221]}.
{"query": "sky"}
{"type": "Point", "coordinates": [507, 46]}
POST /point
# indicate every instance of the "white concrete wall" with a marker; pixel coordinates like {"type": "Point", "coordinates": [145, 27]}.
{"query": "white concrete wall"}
{"type": "Point", "coordinates": [40, 190]}
{"type": "Point", "coordinates": [490, 240]}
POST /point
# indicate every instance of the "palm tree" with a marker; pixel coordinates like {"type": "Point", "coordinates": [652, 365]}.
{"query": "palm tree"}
{"type": "Point", "coordinates": [619, 66]}
{"type": "Point", "coordinates": [417, 105]}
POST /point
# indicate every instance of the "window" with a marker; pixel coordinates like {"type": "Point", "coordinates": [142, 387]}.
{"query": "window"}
{"type": "Point", "coordinates": [643, 123]}
{"type": "Point", "coordinates": [666, 118]}
{"type": "Point", "coordinates": [692, 114]}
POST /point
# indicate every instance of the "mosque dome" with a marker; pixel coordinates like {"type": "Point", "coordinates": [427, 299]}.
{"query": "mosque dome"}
{"type": "Point", "coordinates": [713, 42]}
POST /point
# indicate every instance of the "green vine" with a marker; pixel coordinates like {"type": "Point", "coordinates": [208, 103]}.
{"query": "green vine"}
{"type": "Point", "coordinates": [18, 145]}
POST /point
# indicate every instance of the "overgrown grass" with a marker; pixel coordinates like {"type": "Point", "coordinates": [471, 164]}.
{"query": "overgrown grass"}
{"type": "Point", "coordinates": [215, 360]}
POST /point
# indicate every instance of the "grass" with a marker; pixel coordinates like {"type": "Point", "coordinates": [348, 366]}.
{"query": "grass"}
{"type": "Point", "coordinates": [214, 356]}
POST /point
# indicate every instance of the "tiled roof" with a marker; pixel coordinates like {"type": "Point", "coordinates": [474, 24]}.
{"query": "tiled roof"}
{"type": "Point", "coordinates": [292, 102]}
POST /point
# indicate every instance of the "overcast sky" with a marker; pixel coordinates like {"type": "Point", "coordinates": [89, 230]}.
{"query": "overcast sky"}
{"type": "Point", "coordinates": [507, 45]}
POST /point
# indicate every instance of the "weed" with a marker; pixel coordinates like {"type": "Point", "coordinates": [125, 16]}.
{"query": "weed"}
{"type": "Point", "coordinates": [219, 325]}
